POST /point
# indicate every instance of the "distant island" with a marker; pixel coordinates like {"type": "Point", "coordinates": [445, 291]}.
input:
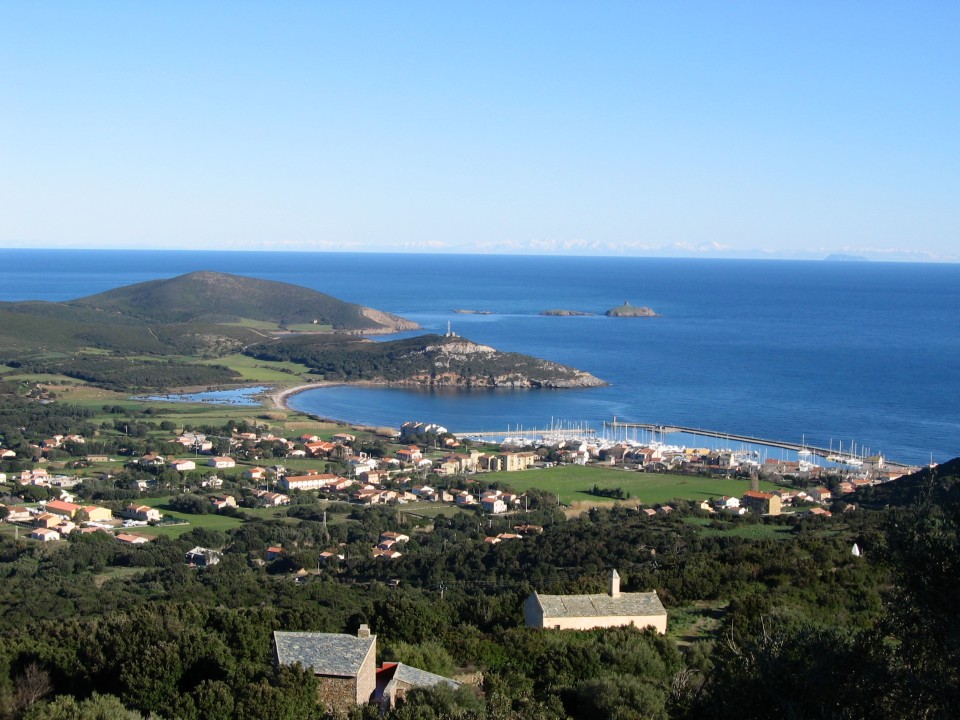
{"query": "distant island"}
{"type": "Point", "coordinates": [473, 312]}
{"type": "Point", "coordinates": [627, 311]}
{"type": "Point", "coordinates": [566, 313]}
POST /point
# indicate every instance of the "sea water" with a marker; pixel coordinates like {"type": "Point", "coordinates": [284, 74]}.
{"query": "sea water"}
{"type": "Point", "coordinates": [827, 352]}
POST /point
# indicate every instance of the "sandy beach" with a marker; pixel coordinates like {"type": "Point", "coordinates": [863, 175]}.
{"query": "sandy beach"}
{"type": "Point", "coordinates": [280, 397]}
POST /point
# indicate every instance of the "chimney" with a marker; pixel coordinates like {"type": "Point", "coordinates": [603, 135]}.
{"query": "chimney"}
{"type": "Point", "coordinates": [614, 584]}
{"type": "Point", "coordinates": [363, 631]}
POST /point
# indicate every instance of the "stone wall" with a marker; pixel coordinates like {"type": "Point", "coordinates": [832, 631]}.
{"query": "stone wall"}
{"type": "Point", "coordinates": [336, 693]}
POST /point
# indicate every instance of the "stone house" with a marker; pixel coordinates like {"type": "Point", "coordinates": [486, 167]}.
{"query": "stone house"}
{"type": "Point", "coordinates": [394, 680]}
{"type": "Point", "coordinates": [585, 612]}
{"type": "Point", "coordinates": [345, 665]}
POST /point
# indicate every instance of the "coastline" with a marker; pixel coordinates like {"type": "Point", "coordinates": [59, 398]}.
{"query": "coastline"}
{"type": "Point", "coordinates": [279, 397]}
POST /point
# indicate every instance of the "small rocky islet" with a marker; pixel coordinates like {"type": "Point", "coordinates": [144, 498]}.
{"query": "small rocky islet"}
{"type": "Point", "coordinates": [625, 310]}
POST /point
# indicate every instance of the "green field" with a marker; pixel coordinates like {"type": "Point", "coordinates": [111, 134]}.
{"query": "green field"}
{"type": "Point", "coordinates": [751, 531]}
{"type": "Point", "coordinates": [255, 324]}
{"type": "Point", "coordinates": [572, 482]}
{"type": "Point", "coordinates": [40, 378]}
{"type": "Point", "coordinates": [310, 328]}
{"type": "Point", "coordinates": [209, 521]}
{"type": "Point", "coordinates": [262, 371]}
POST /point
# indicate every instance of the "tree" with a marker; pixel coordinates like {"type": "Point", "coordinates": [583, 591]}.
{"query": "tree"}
{"type": "Point", "coordinates": [620, 697]}
{"type": "Point", "coordinates": [96, 707]}
{"type": "Point", "coordinates": [32, 684]}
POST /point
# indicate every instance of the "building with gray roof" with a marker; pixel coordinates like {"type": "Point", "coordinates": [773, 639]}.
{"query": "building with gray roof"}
{"type": "Point", "coordinates": [394, 680]}
{"type": "Point", "coordinates": [585, 612]}
{"type": "Point", "coordinates": [345, 665]}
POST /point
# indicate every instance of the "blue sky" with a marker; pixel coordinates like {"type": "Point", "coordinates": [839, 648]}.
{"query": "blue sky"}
{"type": "Point", "coordinates": [728, 129]}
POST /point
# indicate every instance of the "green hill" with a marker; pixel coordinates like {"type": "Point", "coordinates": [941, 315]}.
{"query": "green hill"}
{"type": "Point", "coordinates": [201, 313]}
{"type": "Point", "coordinates": [212, 297]}
{"type": "Point", "coordinates": [151, 334]}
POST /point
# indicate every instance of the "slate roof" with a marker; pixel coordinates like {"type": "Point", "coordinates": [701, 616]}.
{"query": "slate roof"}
{"type": "Point", "coordinates": [324, 653]}
{"type": "Point", "coordinates": [421, 678]}
{"type": "Point", "coordinates": [601, 605]}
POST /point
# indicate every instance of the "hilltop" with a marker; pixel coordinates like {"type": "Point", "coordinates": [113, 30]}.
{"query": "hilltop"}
{"type": "Point", "coordinates": [428, 360]}
{"type": "Point", "coordinates": [161, 333]}
{"type": "Point", "coordinates": [200, 313]}
{"type": "Point", "coordinates": [214, 297]}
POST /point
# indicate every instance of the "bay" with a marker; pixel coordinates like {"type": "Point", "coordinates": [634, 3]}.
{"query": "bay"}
{"type": "Point", "coordinates": [826, 351]}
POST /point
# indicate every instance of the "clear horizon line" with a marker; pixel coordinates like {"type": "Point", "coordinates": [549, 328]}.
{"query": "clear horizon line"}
{"type": "Point", "coordinates": [845, 256]}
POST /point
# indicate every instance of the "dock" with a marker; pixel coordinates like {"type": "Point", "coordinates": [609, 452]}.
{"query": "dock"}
{"type": "Point", "coordinates": [566, 432]}
{"type": "Point", "coordinates": [616, 430]}
{"type": "Point", "coordinates": [827, 453]}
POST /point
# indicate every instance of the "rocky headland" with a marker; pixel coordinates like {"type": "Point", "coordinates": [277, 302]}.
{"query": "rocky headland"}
{"type": "Point", "coordinates": [427, 360]}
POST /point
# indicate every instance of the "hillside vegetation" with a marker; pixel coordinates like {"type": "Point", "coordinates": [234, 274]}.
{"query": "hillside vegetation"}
{"type": "Point", "coordinates": [211, 297]}
{"type": "Point", "coordinates": [201, 313]}
{"type": "Point", "coordinates": [424, 360]}
{"type": "Point", "coordinates": [170, 333]}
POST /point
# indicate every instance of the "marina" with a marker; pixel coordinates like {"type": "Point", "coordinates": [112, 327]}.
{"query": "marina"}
{"type": "Point", "coordinates": [652, 433]}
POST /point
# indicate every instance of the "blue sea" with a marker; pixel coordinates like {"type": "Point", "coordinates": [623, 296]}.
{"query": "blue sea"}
{"type": "Point", "coordinates": [823, 352]}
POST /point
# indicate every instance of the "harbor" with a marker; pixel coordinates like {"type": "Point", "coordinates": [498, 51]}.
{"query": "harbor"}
{"type": "Point", "coordinates": [631, 433]}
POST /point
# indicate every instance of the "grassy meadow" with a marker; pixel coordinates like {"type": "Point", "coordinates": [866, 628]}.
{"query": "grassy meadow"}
{"type": "Point", "coordinates": [571, 483]}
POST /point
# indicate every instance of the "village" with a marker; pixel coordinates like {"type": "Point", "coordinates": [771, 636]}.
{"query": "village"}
{"type": "Point", "coordinates": [422, 463]}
